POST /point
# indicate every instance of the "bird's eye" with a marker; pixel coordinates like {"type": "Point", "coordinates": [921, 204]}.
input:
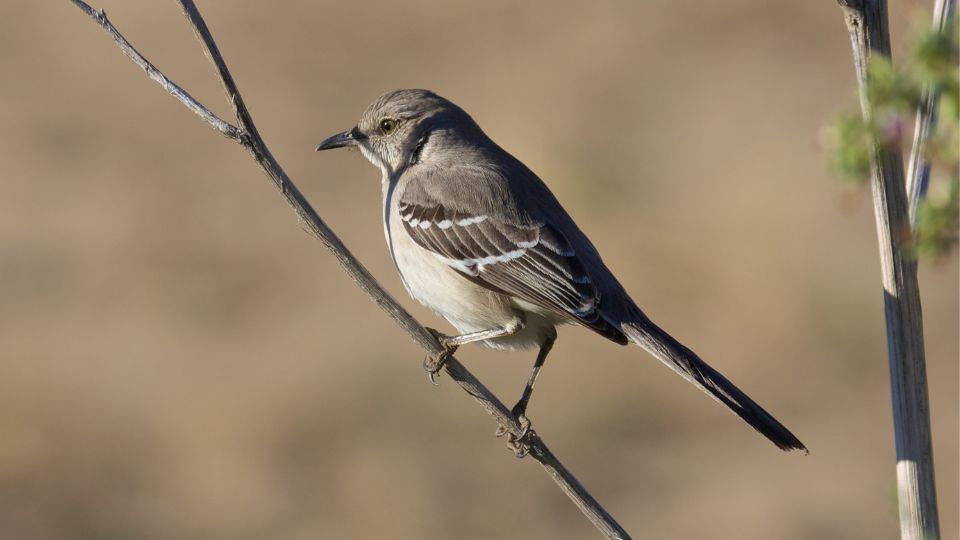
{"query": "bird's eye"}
{"type": "Point", "coordinates": [388, 125]}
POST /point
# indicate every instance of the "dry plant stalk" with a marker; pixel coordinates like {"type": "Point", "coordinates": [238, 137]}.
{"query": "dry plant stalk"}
{"type": "Point", "coordinates": [918, 168]}
{"type": "Point", "coordinates": [245, 133]}
{"type": "Point", "coordinates": [867, 24]}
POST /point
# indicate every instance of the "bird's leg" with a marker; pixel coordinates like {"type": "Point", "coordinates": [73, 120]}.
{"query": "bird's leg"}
{"type": "Point", "coordinates": [432, 364]}
{"type": "Point", "coordinates": [520, 409]}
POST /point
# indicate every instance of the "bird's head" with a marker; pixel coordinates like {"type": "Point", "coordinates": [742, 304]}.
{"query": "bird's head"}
{"type": "Point", "coordinates": [400, 128]}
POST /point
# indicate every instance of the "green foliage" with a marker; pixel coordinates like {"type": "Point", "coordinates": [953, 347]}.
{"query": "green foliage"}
{"type": "Point", "coordinates": [937, 222]}
{"type": "Point", "coordinates": [850, 140]}
{"type": "Point", "coordinates": [895, 93]}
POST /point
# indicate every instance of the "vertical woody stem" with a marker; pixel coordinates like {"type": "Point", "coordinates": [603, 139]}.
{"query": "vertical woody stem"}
{"type": "Point", "coordinates": [866, 22]}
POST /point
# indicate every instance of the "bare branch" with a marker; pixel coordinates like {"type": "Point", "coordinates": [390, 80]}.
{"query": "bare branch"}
{"type": "Point", "coordinates": [867, 24]}
{"type": "Point", "coordinates": [226, 128]}
{"type": "Point", "coordinates": [248, 136]}
{"type": "Point", "coordinates": [918, 170]}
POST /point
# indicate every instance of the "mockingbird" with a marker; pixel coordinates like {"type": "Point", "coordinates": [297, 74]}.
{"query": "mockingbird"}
{"type": "Point", "coordinates": [480, 239]}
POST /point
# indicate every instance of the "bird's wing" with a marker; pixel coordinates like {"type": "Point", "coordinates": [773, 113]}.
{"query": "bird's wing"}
{"type": "Point", "coordinates": [480, 234]}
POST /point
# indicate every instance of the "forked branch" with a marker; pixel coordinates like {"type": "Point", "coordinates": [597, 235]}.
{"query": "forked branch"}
{"type": "Point", "coordinates": [247, 135]}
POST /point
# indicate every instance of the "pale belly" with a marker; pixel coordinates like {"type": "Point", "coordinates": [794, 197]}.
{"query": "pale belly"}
{"type": "Point", "coordinates": [464, 304]}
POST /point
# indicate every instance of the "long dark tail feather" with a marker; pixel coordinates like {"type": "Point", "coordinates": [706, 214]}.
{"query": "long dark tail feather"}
{"type": "Point", "coordinates": [689, 366]}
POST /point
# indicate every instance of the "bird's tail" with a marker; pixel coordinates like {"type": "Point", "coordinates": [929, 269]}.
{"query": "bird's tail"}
{"type": "Point", "coordinates": [688, 365]}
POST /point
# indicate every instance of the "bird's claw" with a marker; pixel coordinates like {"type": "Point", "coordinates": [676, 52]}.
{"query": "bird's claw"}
{"type": "Point", "coordinates": [433, 363]}
{"type": "Point", "coordinates": [520, 444]}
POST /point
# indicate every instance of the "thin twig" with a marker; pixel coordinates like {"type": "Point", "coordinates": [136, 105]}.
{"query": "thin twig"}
{"type": "Point", "coordinates": [224, 127]}
{"type": "Point", "coordinates": [917, 496]}
{"type": "Point", "coordinates": [248, 136]}
{"type": "Point", "coordinates": [918, 170]}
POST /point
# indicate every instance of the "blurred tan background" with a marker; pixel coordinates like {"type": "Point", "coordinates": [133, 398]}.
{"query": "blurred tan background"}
{"type": "Point", "coordinates": [179, 360]}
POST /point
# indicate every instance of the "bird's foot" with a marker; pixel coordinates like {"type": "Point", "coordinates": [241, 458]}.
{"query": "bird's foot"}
{"type": "Point", "coordinates": [433, 363]}
{"type": "Point", "coordinates": [520, 444]}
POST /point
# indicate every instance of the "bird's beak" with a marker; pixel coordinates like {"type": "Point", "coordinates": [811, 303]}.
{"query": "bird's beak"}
{"type": "Point", "coordinates": [351, 137]}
